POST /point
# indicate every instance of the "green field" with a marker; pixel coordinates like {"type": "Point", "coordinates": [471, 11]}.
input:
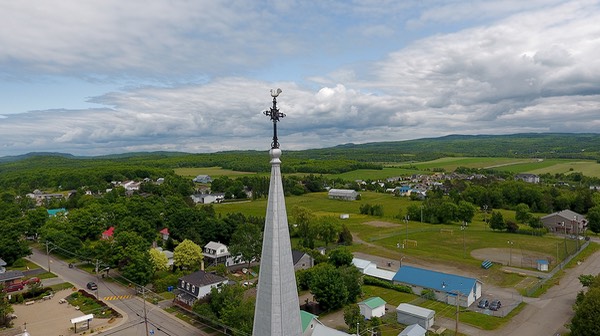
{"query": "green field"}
{"type": "Point", "coordinates": [211, 171]}
{"type": "Point", "coordinates": [439, 244]}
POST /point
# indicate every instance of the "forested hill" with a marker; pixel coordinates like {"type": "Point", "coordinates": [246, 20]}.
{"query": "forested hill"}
{"type": "Point", "coordinates": [336, 159]}
{"type": "Point", "coordinates": [543, 145]}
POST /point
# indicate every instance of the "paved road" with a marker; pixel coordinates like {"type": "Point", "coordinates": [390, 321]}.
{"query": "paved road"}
{"type": "Point", "coordinates": [132, 309]}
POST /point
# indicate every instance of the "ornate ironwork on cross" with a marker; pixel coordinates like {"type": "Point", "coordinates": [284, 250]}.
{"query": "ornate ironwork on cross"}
{"type": "Point", "coordinates": [275, 116]}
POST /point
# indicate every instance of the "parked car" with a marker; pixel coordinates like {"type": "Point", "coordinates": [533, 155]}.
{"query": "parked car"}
{"type": "Point", "coordinates": [483, 303]}
{"type": "Point", "coordinates": [14, 287]}
{"type": "Point", "coordinates": [495, 305]}
{"type": "Point", "coordinates": [31, 280]}
{"type": "Point", "coordinates": [91, 285]}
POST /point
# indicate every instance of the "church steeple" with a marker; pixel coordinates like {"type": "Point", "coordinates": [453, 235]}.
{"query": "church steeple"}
{"type": "Point", "coordinates": [277, 311]}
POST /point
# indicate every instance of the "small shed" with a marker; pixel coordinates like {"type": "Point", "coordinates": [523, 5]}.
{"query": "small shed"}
{"type": "Point", "coordinates": [410, 314]}
{"type": "Point", "coordinates": [413, 330]}
{"type": "Point", "coordinates": [542, 265]}
{"type": "Point", "coordinates": [372, 307]}
{"type": "Point", "coordinates": [81, 319]}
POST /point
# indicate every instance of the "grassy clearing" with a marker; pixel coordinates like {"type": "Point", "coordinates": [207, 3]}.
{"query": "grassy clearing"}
{"type": "Point", "coordinates": [451, 163]}
{"type": "Point", "coordinates": [212, 171]}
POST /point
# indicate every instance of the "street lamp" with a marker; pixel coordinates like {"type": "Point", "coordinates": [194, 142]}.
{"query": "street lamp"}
{"type": "Point", "coordinates": [510, 245]}
{"type": "Point", "coordinates": [406, 221]}
{"type": "Point", "coordinates": [48, 250]}
{"type": "Point", "coordinates": [463, 228]}
{"type": "Point", "coordinates": [485, 207]}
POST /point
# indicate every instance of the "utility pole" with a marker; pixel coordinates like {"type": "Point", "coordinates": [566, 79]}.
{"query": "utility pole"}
{"type": "Point", "coordinates": [463, 228]}
{"type": "Point", "coordinates": [510, 244]}
{"type": "Point", "coordinates": [457, 311]}
{"type": "Point", "coordinates": [145, 316]}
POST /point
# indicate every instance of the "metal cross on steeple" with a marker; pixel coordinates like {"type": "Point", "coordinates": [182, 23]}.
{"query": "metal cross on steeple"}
{"type": "Point", "coordinates": [275, 115]}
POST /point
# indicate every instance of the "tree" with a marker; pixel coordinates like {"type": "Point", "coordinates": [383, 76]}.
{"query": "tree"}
{"type": "Point", "coordinates": [340, 257]}
{"type": "Point", "coordinates": [187, 255]}
{"type": "Point", "coordinates": [352, 316]}
{"type": "Point", "coordinates": [586, 321]}
{"type": "Point", "coordinates": [159, 260]}
{"type": "Point", "coordinates": [137, 267]}
{"type": "Point", "coordinates": [246, 242]}
{"type": "Point", "coordinates": [345, 236]}
{"type": "Point", "coordinates": [535, 222]}
{"type": "Point", "coordinates": [593, 217]}
{"type": "Point", "coordinates": [522, 213]}
{"type": "Point", "coordinates": [304, 219]}
{"type": "Point", "coordinates": [497, 221]}
{"type": "Point", "coordinates": [353, 279]}
{"type": "Point", "coordinates": [328, 229]}
{"type": "Point", "coordinates": [466, 211]}
{"type": "Point", "coordinates": [328, 287]}
{"type": "Point", "coordinates": [5, 308]}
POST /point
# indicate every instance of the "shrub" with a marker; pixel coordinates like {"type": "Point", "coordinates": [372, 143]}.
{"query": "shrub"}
{"type": "Point", "coordinates": [369, 280]}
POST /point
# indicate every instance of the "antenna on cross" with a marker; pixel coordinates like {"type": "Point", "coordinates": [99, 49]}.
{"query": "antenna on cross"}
{"type": "Point", "coordinates": [275, 116]}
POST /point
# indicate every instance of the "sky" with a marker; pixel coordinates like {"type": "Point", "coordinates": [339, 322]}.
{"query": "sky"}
{"type": "Point", "coordinates": [100, 77]}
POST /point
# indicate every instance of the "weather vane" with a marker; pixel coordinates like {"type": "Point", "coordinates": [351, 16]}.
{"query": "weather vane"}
{"type": "Point", "coordinates": [275, 115]}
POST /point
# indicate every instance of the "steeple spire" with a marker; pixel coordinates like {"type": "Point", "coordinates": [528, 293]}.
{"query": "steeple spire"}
{"type": "Point", "coordinates": [277, 311]}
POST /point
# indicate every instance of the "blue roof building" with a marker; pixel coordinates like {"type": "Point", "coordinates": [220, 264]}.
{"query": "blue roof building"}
{"type": "Point", "coordinates": [54, 212]}
{"type": "Point", "coordinates": [446, 287]}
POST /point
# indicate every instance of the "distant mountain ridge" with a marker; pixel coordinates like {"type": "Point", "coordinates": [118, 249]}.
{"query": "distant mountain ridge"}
{"type": "Point", "coordinates": [558, 145]}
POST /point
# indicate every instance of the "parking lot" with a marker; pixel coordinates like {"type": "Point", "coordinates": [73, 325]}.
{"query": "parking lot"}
{"type": "Point", "coordinates": [49, 317]}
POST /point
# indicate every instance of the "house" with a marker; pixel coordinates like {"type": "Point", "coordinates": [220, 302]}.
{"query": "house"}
{"type": "Point", "coordinates": [131, 185]}
{"type": "Point", "coordinates": [343, 194]}
{"type": "Point", "coordinates": [413, 330]}
{"type": "Point", "coordinates": [196, 286]}
{"type": "Point", "coordinates": [372, 307]}
{"type": "Point", "coordinates": [565, 221]}
{"type": "Point", "coordinates": [302, 260]}
{"type": "Point", "coordinates": [108, 234]}
{"type": "Point", "coordinates": [168, 254]}
{"type": "Point", "coordinates": [446, 287]}
{"type": "Point", "coordinates": [202, 179]}
{"type": "Point", "coordinates": [369, 268]}
{"type": "Point", "coordinates": [216, 253]}
{"type": "Point", "coordinates": [41, 198]}
{"type": "Point", "coordinates": [164, 233]}
{"type": "Point", "coordinates": [2, 266]}
{"type": "Point", "coordinates": [10, 277]}
{"type": "Point", "coordinates": [529, 178]}
{"type": "Point", "coordinates": [311, 326]}
{"type": "Point", "coordinates": [54, 212]}
{"type": "Point", "coordinates": [208, 198]}
{"type": "Point", "coordinates": [408, 314]}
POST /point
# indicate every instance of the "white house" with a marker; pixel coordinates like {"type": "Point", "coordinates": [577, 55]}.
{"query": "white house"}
{"type": "Point", "coordinates": [408, 314]}
{"type": "Point", "coordinates": [367, 267]}
{"type": "Point", "coordinates": [343, 194]}
{"type": "Point", "coordinates": [196, 286]}
{"type": "Point", "coordinates": [529, 178]}
{"type": "Point", "coordinates": [202, 179]}
{"type": "Point", "coordinates": [311, 326]}
{"type": "Point", "coordinates": [208, 198]}
{"type": "Point", "coordinates": [372, 307]}
{"type": "Point", "coordinates": [216, 253]}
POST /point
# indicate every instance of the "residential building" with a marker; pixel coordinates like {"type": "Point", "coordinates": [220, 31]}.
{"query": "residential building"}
{"type": "Point", "coordinates": [372, 307]}
{"type": "Point", "coordinates": [529, 178]}
{"type": "Point", "coordinates": [41, 198]}
{"type": "Point", "coordinates": [164, 233]}
{"type": "Point", "coordinates": [2, 266]}
{"type": "Point", "coordinates": [216, 253]}
{"type": "Point", "coordinates": [208, 198]}
{"type": "Point", "coordinates": [108, 233]}
{"type": "Point", "coordinates": [311, 326]}
{"type": "Point", "coordinates": [202, 179]}
{"type": "Point", "coordinates": [196, 286]}
{"type": "Point", "coordinates": [446, 287]}
{"type": "Point", "coordinates": [343, 194]}
{"type": "Point", "coordinates": [565, 222]}
{"type": "Point", "coordinates": [302, 260]}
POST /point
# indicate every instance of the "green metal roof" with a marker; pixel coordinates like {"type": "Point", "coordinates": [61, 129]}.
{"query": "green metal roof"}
{"type": "Point", "coordinates": [373, 302]}
{"type": "Point", "coordinates": [306, 317]}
